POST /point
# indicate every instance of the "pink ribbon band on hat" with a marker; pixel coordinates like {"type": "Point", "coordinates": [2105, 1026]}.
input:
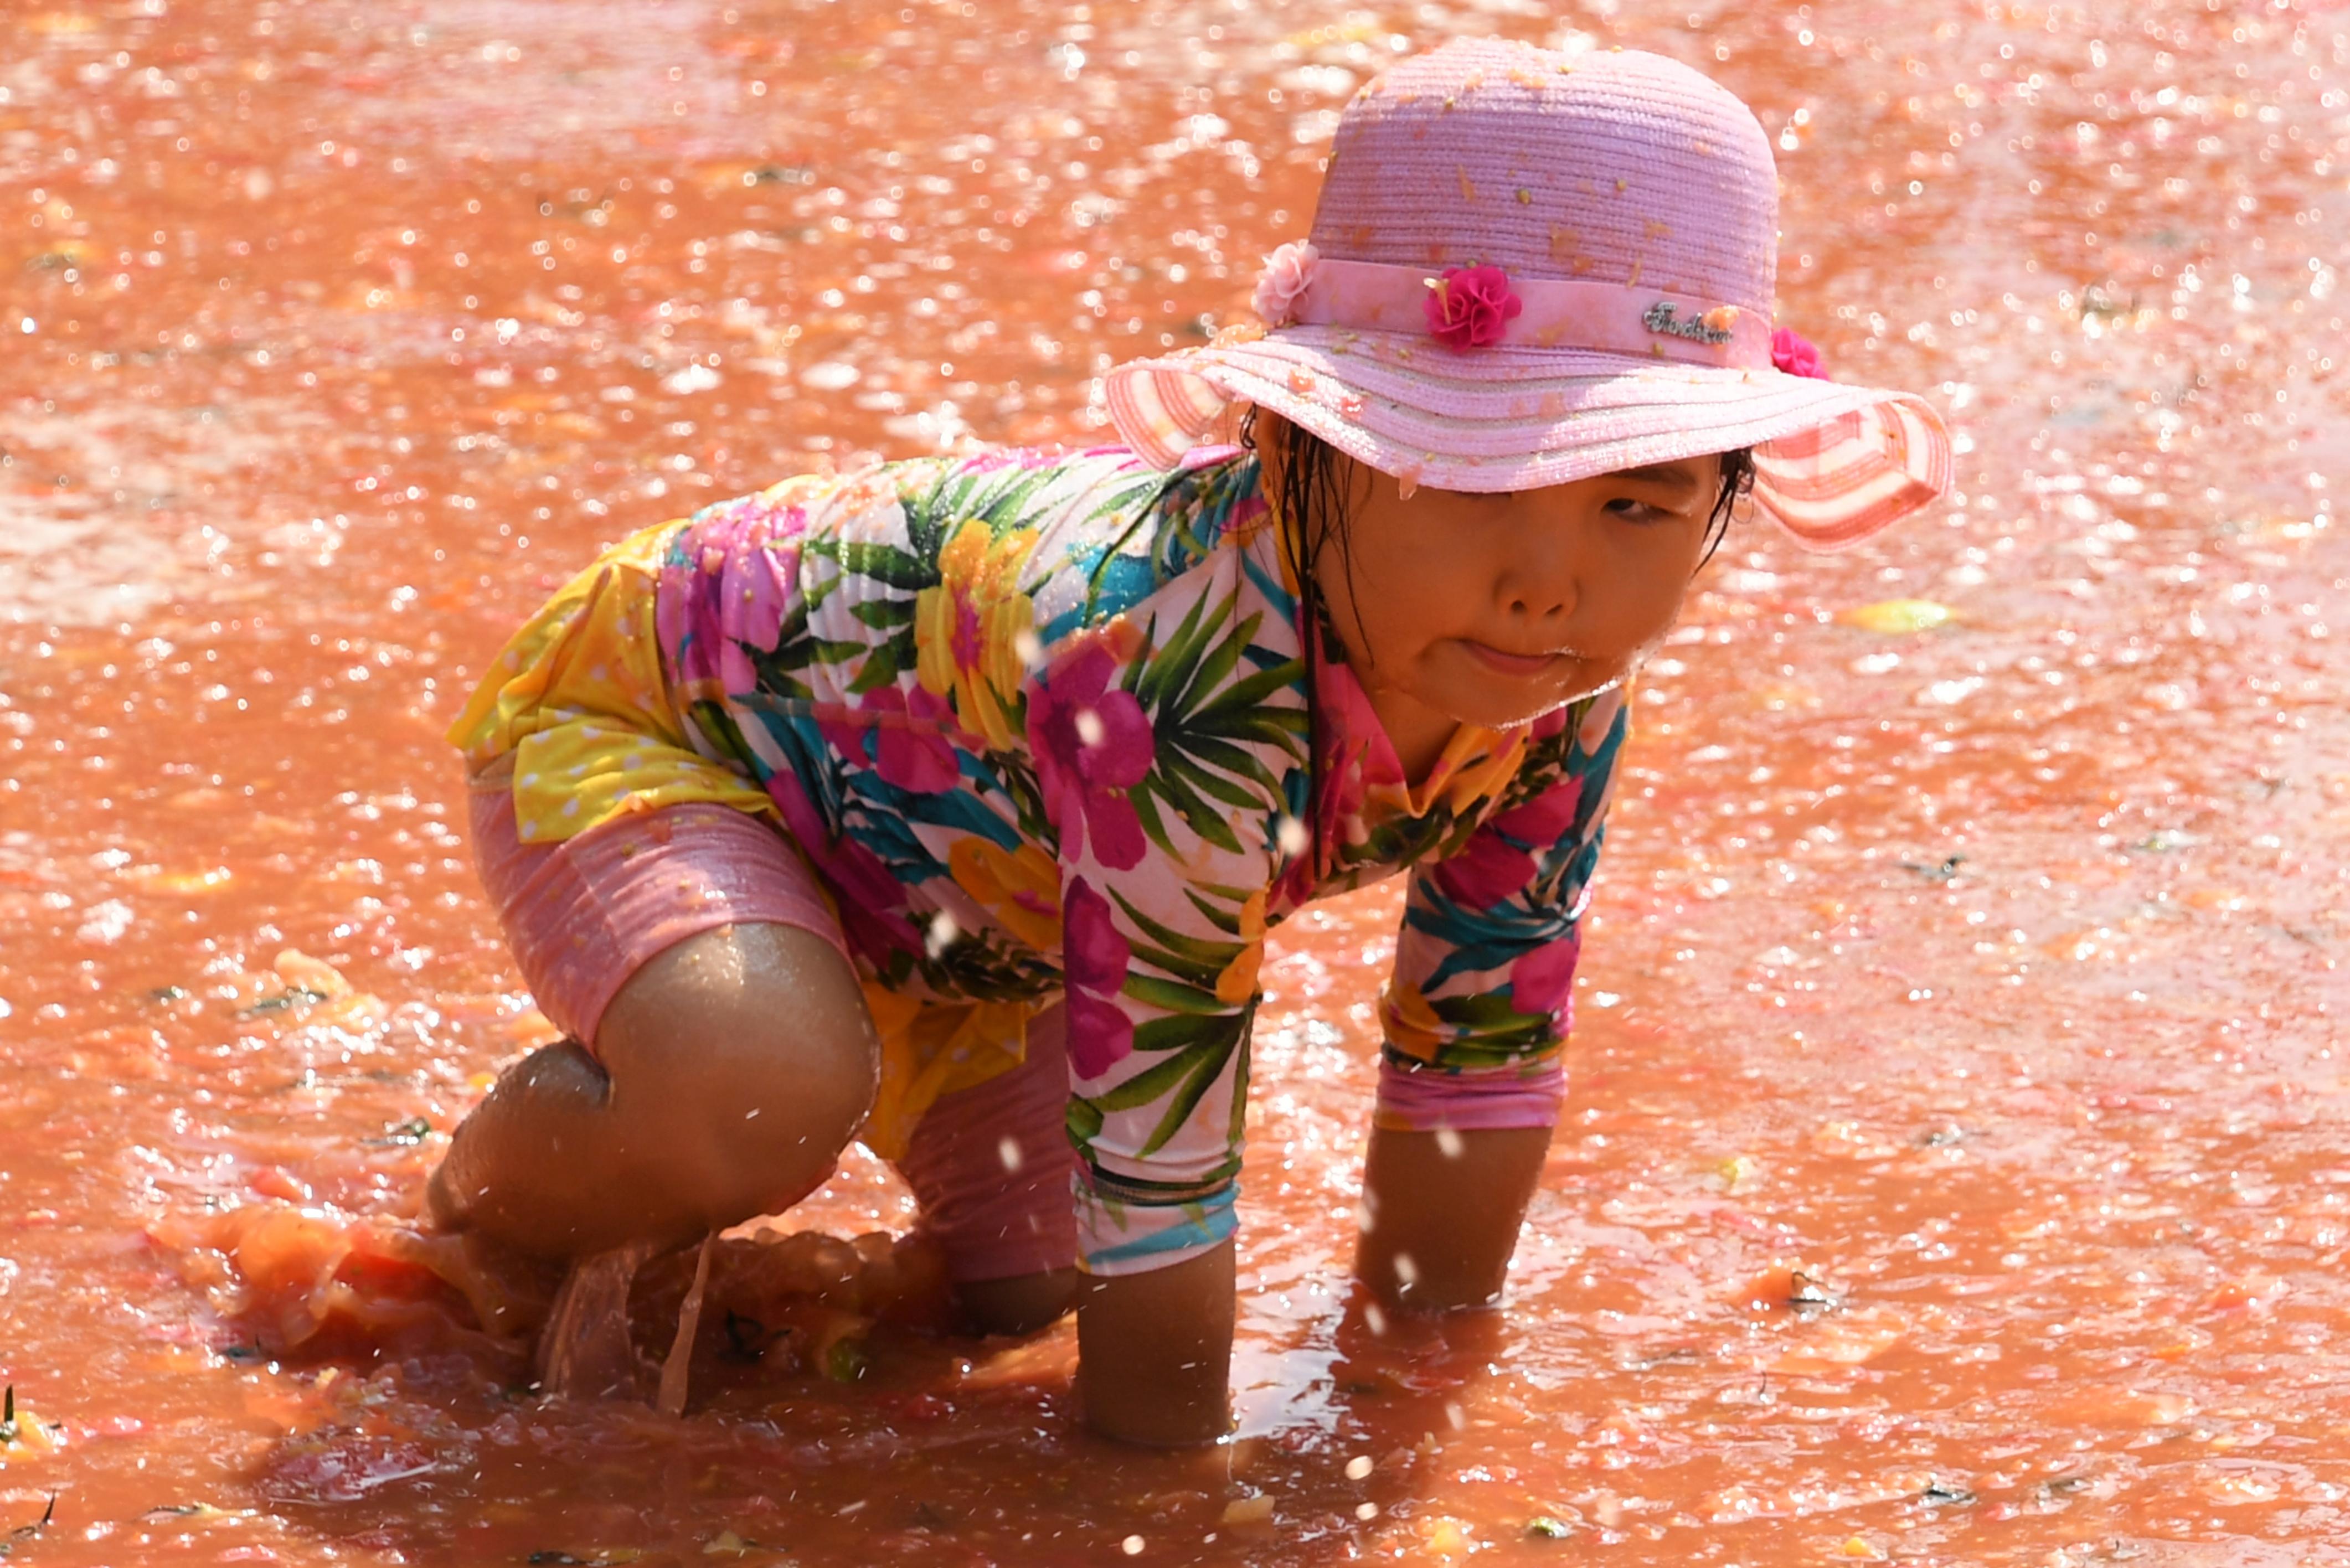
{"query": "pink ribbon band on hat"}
{"type": "Point", "coordinates": [1614, 317]}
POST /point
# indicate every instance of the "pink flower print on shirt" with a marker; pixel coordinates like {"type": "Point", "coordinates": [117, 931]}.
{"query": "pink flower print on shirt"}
{"type": "Point", "coordinates": [1487, 870]}
{"type": "Point", "coordinates": [1540, 981]}
{"type": "Point", "coordinates": [1091, 744]}
{"type": "Point", "coordinates": [918, 757]}
{"type": "Point", "coordinates": [1472, 307]}
{"type": "Point", "coordinates": [1094, 960]}
{"type": "Point", "coordinates": [1492, 866]}
{"type": "Point", "coordinates": [1545, 819]}
{"type": "Point", "coordinates": [727, 588]}
{"type": "Point", "coordinates": [859, 876]}
{"type": "Point", "coordinates": [1793, 353]}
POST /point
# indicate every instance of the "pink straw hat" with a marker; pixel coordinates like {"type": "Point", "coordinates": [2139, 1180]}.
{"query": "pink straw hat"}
{"type": "Point", "coordinates": [1529, 268]}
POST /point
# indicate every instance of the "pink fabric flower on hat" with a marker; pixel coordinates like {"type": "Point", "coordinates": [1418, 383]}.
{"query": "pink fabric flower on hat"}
{"type": "Point", "coordinates": [1287, 271]}
{"type": "Point", "coordinates": [1470, 307]}
{"type": "Point", "coordinates": [1792, 352]}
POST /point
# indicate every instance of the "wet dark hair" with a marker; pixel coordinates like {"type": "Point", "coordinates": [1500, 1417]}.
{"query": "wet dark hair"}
{"type": "Point", "coordinates": [1311, 499]}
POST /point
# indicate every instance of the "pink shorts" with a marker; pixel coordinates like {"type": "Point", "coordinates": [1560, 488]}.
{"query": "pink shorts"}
{"type": "Point", "coordinates": [989, 1166]}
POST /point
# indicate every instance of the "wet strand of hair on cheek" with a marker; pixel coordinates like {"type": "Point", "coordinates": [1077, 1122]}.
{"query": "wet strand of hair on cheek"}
{"type": "Point", "coordinates": [1310, 508]}
{"type": "Point", "coordinates": [1291, 506]}
{"type": "Point", "coordinates": [1737, 480]}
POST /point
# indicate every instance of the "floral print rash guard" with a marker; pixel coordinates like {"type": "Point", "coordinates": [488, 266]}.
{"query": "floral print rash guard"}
{"type": "Point", "coordinates": [1040, 725]}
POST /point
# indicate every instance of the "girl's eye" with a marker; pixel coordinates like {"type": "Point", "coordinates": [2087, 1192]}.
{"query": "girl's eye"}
{"type": "Point", "coordinates": [1638, 511]}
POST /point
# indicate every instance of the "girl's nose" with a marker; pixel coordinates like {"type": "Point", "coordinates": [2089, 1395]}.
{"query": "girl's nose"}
{"type": "Point", "coordinates": [1541, 573]}
{"type": "Point", "coordinates": [1538, 605]}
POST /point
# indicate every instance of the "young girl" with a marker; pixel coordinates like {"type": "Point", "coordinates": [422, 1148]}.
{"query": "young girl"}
{"type": "Point", "coordinates": [947, 806]}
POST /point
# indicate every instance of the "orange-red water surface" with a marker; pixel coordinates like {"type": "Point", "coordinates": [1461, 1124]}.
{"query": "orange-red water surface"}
{"type": "Point", "coordinates": [1957, 1169]}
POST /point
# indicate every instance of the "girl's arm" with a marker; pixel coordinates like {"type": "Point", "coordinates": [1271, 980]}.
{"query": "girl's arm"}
{"type": "Point", "coordinates": [1145, 736]}
{"type": "Point", "coordinates": [1475, 1019]}
{"type": "Point", "coordinates": [1441, 1213]}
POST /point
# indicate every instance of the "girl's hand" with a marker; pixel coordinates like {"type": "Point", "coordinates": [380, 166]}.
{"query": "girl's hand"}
{"type": "Point", "coordinates": [1441, 1213]}
{"type": "Point", "coordinates": [1155, 1353]}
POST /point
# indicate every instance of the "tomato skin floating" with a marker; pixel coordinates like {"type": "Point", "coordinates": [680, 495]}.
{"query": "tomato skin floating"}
{"type": "Point", "coordinates": [1893, 617]}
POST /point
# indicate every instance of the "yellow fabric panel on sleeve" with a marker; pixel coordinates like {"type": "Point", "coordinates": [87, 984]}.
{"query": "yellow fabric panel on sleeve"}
{"type": "Point", "coordinates": [579, 700]}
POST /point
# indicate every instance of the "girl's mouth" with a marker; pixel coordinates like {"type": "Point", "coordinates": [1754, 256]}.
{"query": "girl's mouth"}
{"type": "Point", "coordinates": [1504, 662]}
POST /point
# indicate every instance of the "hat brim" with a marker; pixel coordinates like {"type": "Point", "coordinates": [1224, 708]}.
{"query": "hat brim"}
{"type": "Point", "coordinates": [1834, 463]}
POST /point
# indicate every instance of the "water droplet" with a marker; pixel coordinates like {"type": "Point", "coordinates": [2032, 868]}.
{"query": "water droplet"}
{"type": "Point", "coordinates": [693, 378]}
{"type": "Point", "coordinates": [942, 933]}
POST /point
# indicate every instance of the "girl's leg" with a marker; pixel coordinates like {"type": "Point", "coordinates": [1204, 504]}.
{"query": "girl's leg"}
{"type": "Point", "coordinates": [731, 1052]}
{"type": "Point", "coordinates": [990, 1167]}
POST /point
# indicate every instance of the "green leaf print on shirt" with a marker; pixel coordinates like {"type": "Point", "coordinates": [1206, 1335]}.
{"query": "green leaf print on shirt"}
{"type": "Point", "coordinates": [1197, 962]}
{"type": "Point", "coordinates": [1202, 1028]}
{"type": "Point", "coordinates": [887, 564]}
{"type": "Point", "coordinates": [1204, 724]}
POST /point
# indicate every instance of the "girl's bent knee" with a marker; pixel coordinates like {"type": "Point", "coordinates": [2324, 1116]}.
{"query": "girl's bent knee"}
{"type": "Point", "coordinates": [756, 1136]}
{"type": "Point", "coordinates": [745, 1058]}
{"type": "Point", "coordinates": [762, 976]}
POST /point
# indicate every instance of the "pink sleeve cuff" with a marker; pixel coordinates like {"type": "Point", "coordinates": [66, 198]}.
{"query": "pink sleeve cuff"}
{"type": "Point", "coordinates": [1424, 1099]}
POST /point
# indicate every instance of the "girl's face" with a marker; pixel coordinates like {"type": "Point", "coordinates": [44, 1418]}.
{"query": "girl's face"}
{"type": "Point", "coordinates": [1495, 609]}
